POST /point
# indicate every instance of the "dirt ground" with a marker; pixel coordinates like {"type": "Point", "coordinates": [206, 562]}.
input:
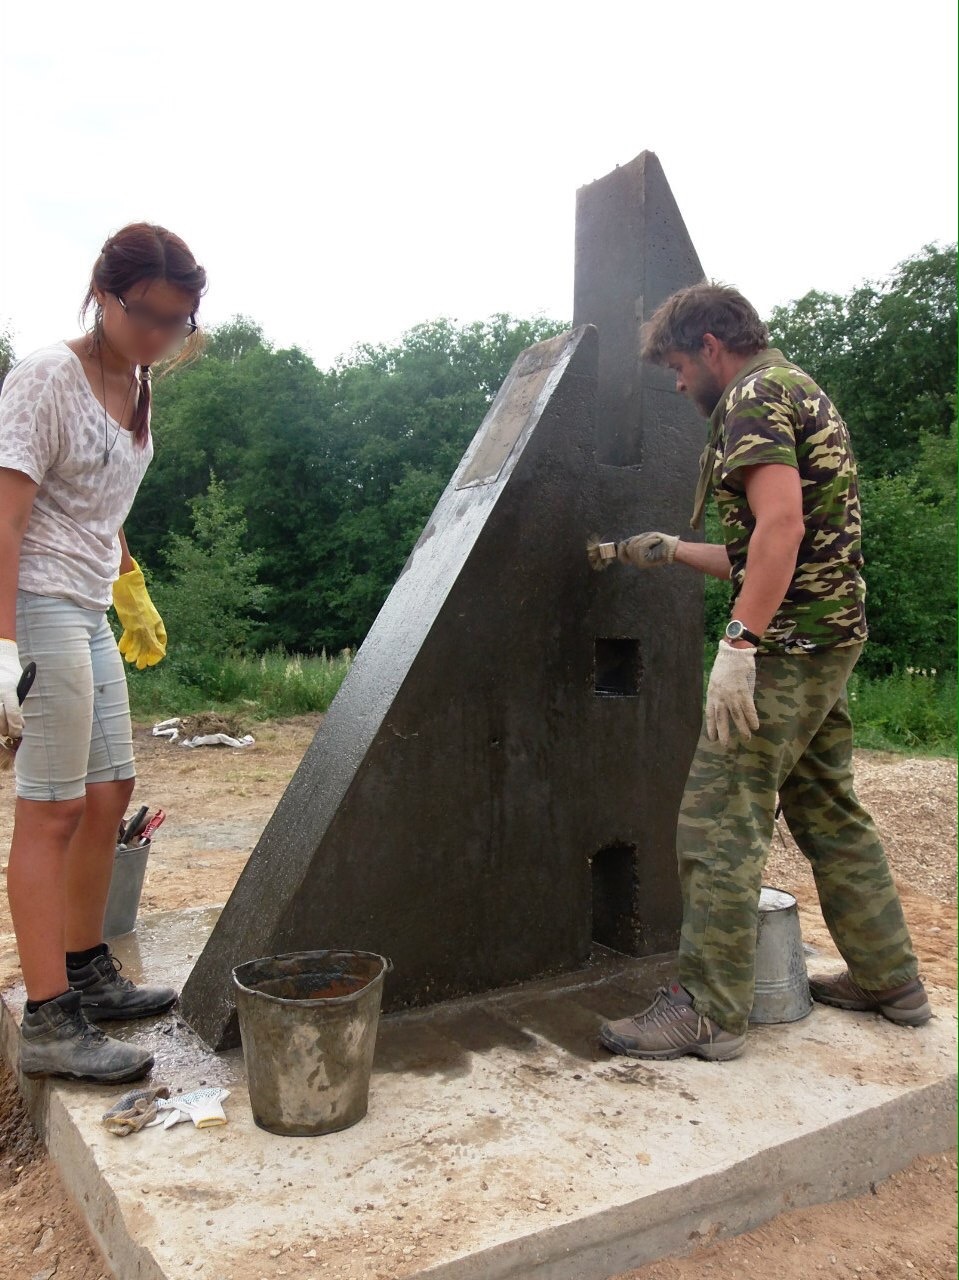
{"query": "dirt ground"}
{"type": "Point", "coordinates": [217, 801]}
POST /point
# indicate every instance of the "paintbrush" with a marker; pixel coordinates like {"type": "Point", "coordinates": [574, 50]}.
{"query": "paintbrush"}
{"type": "Point", "coordinates": [8, 746]}
{"type": "Point", "coordinates": [600, 554]}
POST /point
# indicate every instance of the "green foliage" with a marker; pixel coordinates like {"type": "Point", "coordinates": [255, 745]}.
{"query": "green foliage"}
{"type": "Point", "coordinates": [7, 356]}
{"type": "Point", "coordinates": [336, 473]}
{"type": "Point", "coordinates": [912, 711]}
{"type": "Point", "coordinates": [718, 593]}
{"type": "Point", "coordinates": [256, 688]}
{"type": "Point", "coordinates": [886, 354]}
{"type": "Point", "coordinates": [212, 593]}
{"type": "Point", "coordinates": [909, 545]}
{"type": "Point", "coordinates": [234, 339]}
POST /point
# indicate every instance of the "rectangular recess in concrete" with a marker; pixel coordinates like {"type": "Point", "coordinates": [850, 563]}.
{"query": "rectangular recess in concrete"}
{"type": "Point", "coordinates": [617, 669]}
{"type": "Point", "coordinates": [501, 1140]}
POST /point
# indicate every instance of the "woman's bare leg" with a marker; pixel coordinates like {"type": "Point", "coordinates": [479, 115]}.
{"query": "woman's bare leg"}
{"type": "Point", "coordinates": [89, 862]}
{"type": "Point", "coordinates": [37, 890]}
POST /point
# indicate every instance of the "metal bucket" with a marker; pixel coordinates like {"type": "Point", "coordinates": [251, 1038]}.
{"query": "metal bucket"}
{"type": "Point", "coordinates": [126, 885]}
{"type": "Point", "coordinates": [782, 985]}
{"type": "Point", "coordinates": [308, 1024]}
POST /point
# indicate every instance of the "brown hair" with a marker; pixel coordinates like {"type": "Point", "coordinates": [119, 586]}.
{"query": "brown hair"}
{"type": "Point", "coordinates": [683, 320]}
{"type": "Point", "coordinates": [143, 251]}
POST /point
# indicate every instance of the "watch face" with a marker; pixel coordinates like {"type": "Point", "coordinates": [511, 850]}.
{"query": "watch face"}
{"type": "Point", "coordinates": [734, 630]}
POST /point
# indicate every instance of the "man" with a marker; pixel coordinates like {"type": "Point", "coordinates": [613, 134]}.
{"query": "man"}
{"type": "Point", "coordinates": [782, 472]}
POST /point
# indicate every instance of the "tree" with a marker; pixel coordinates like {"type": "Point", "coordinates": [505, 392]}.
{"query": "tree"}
{"type": "Point", "coordinates": [909, 546]}
{"type": "Point", "coordinates": [234, 339]}
{"type": "Point", "coordinates": [336, 473]}
{"type": "Point", "coordinates": [212, 593]}
{"type": "Point", "coordinates": [886, 354]}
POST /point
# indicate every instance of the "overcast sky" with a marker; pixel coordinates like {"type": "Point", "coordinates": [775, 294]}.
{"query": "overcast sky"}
{"type": "Point", "coordinates": [347, 170]}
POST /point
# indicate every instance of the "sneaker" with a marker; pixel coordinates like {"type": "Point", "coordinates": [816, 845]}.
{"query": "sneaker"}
{"type": "Point", "coordinates": [57, 1040]}
{"type": "Point", "coordinates": [106, 996]}
{"type": "Point", "coordinates": [669, 1028]}
{"type": "Point", "coordinates": [906, 1005]}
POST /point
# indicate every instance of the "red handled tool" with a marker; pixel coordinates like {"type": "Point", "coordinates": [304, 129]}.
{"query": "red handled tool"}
{"type": "Point", "coordinates": [156, 821]}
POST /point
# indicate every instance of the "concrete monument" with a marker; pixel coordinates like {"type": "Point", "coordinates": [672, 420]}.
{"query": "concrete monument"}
{"type": "Point", "coordinates": [495, 787]}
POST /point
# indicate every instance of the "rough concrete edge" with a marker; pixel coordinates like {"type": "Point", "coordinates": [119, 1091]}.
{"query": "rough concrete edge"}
{"type": "Point", "coordinates": [832, 1163]}
{"type": "Point", "coordinates": [91, 1194]}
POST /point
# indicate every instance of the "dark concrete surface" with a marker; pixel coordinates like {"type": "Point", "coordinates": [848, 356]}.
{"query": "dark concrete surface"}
{"type": "Point", "coordinates": [510, 746]}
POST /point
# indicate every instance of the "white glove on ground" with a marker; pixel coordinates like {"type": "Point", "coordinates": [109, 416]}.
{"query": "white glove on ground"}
{"type": "Point", "coordinates": [202, 1106]}
{"type": "Point", "coordinates": [11, 717]}
{"type": "Point", "coordinates": [729, 696]}
{"type": "Point", "coordinates": [648, 550]}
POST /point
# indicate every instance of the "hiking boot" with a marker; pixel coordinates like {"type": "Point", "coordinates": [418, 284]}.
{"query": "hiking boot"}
{"type": "Point", "coordinates": [669, 1028]}
{"type": "Point", "coordinates": [906, 1005]}
{"type": "Point", "coordinates": [57, 1040]}
{"type": "Point", "coordinates": [106, 996]}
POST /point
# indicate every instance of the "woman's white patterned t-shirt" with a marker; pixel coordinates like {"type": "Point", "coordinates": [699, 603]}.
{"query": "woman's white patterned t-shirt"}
{"type": "Point", "coordinates": [52, 429]}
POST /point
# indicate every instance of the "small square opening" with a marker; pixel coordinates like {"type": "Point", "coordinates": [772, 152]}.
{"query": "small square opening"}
{"type": "Point", "coordinates": [617, 670]}
{"type": "Point", "coordinates": [614, 892]}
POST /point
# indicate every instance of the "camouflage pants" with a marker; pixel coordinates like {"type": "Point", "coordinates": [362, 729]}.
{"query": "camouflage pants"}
{"type": "Point", "coordinates": [803, 751]}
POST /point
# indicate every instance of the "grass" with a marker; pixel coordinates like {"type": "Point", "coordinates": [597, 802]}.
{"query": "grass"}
{"type": "Point", "coordinates": [263, 687]}
{"type": "Point", "coordinates": [913, 712]}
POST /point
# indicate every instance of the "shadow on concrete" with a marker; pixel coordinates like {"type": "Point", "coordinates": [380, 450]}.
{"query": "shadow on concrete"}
{"type": "Point", "coordinates": [565, 1013]}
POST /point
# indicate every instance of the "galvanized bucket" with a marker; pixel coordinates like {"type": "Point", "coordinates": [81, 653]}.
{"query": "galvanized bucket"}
{"type": "Point", "coordinates": [126, 885]}
{"type": "Point", "coordinates": [308, 1023]}
{"type": "Point", "coordinates": [782, 985]}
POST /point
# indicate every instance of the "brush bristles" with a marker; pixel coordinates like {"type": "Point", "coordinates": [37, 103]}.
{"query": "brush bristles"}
{"type": "Point", "coordinates": [600, 554]}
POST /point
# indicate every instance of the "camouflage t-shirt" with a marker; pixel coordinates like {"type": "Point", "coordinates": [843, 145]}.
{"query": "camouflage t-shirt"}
{"type": "Point", "coordinates": [777, 414]}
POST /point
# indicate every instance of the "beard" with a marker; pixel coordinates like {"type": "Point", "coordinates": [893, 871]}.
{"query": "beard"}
{"type": "Point", "coordinates": [707, 394]}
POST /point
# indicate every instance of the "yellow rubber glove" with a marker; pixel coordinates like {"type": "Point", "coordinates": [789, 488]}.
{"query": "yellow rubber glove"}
{"type": "Point", "coordinates": [144, 635]}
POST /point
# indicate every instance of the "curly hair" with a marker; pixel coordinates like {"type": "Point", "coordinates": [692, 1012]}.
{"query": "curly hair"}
{"type": "Point", "coordinates": [681, 322]}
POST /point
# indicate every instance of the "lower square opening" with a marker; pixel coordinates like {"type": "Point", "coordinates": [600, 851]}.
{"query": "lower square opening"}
{"type": "Point", "coordinates": [614, 891]}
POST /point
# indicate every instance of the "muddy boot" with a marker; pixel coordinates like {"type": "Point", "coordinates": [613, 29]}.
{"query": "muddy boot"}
{"type": "Point", "coordinates": [106, 996]}
{"type": "Point", "coordinates": [906, 1005]}
{"type": "Point", "coordinates": [57, 1040]}
{"type": "Point", "coordinates": [669, 1028]}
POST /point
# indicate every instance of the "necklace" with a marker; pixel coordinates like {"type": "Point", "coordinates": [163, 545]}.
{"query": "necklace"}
{"type": "Point", "coordinates": [108, 448]}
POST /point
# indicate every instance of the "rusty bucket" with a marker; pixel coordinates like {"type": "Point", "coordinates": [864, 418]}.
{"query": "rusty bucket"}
{"type": "Point", "coordinates": [308, 1023]}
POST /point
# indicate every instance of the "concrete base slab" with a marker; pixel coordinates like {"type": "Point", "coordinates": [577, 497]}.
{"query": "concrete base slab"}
{"type": "Point", "coordinates": [501, 1140]}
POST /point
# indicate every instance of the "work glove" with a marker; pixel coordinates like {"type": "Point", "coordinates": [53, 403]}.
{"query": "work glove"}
{"type": "Point", "coordinates": [729, 696]}
{"type": "Point", "coordinates": [648, 550]}
{"type": "Point", "coordinates": [135, 1111]}
{"type": "Point", "coordinates": [144, 635]}
{"type": "Point", "coordinates": [203, 1106]}
{"type": "Point", "coordinates": [11, 717]}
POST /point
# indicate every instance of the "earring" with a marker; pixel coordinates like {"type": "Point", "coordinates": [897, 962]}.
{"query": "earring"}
{"type": "Point", "coordinates": [97, 323]}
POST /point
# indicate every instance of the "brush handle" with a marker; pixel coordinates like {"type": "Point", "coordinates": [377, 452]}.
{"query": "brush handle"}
{"type": "Point", "coordinates": [135, 823]}
{"type": "Point", "coordinates": [26, 681]}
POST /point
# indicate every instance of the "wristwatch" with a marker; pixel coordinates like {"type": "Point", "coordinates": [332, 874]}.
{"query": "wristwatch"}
{"type": "Point", "coordinates": [736, 631]}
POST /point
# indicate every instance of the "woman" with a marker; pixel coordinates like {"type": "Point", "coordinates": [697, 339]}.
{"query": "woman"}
{"type": "Point", "coordinates": [74, 445]}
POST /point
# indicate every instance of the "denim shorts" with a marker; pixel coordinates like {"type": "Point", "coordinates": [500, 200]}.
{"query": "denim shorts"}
{"type": "Point", "coordinates": [76, 718]}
